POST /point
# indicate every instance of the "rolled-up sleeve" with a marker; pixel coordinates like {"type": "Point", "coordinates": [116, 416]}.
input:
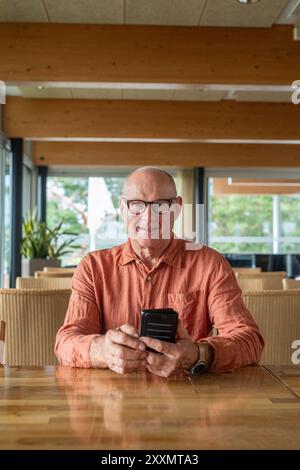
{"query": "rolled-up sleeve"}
{"type": "Point", "coordinates": [82, 321]}
{"type": "Point", "coordinates": [239, 342]}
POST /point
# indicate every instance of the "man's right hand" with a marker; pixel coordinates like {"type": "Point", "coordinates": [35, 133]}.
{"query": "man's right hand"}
{"type": "Point", "coordinates": [120, 350]}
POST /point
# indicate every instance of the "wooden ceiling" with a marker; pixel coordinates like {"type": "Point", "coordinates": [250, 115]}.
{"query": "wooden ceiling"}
{"type": "Point", "coordinates": [152, 12]}
{"type": "Point", "coordinates": [215, 93]}
{"type": "Point", "coordinates": [147, 56]}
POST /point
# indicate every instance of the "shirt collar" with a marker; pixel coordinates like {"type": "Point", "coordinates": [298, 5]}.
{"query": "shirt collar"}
{"type": "Point", "coordinates": [173, 255]}
{"type": "Point", "coordinates": [127, 253]}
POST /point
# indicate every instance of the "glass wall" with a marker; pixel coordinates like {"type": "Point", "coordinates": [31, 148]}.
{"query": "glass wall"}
{"type": "Point", "coordinates": [28, 202]}
{"type": "Point", "coordinates": [89, 207]}
{"type": "Point", "coordinates": [2, 210]}
{"type": "Point", "coordinates": [29, 183]}
{"type": "Point", "coordinates": [290, 223]}
{"type": "Point", "coordinates": [5, 215]}
{"type": "Point", "coordinates": [26, 190]}
{"type": "Point", "coordinates": [254, 215]}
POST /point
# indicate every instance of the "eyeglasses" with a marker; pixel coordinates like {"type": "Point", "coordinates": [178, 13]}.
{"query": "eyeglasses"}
{"type": "Point", "coordinates": [159, 206]}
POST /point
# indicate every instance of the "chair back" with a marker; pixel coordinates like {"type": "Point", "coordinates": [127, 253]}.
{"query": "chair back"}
{"type": "Point", "coordinates": [48, 269]}
{"type": "Point", "coordinates": [247, 270]}
{"type": "Point", "coordinates": [51, 274]}
{"type": "Point", "coordinates": [259, 283]}
{"type": "Point", "coordinates": [290, 284]}
{"type": "Point", "coordinates": [282, 274]}
{"type": "Point", "coordinates": [277, 314]}
{"type": "Point", "coordinates": [32, 317]}
{"type": "Point", "coordinates": [43, 282]}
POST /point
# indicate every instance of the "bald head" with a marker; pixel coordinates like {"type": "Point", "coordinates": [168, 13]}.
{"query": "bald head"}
{"type": "Point", "coordinates": [149, 183]}
{"type": "Point", "coordinates": [150, 229]}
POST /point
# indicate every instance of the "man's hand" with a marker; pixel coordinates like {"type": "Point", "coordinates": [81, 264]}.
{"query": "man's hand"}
{"type": "Point", "coordinates": [174, 357]}
{"type": "Point", "coordinates": [120, 350]}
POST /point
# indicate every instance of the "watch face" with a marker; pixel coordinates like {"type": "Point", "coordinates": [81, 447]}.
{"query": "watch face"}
{"type": "Point", "coordinates": [199, 368]}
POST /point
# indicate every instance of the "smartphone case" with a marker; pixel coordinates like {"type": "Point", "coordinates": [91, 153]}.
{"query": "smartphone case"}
{"type": "Point", "coordinates": [160, 323]}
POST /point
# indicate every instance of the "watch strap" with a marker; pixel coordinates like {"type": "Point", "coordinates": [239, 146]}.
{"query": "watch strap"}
{"type": "Point", "coordinates": [204, 360]}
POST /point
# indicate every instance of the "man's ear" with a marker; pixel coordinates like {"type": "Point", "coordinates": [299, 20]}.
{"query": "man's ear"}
{"type": "Point", "coordinates": [122, 206]}
{"type": "Point", "coordinates": [176, 208]}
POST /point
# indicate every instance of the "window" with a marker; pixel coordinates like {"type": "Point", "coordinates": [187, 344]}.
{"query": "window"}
{"type": "Point", "coordinates": [254, 215]}
{"type": "Point", "coordinates": [290, 223]}
{"type": "Point", "coordinates": [27, 202]}
{"type": "Point", "coordinates": [2, 211]}
{"type": "Point", "coordinates": [5, 215]}
{"type": "Point", "coordinates": [89, 207]}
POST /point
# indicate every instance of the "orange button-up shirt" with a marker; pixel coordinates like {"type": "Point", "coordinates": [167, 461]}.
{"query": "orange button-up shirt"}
{"type": "Point", "coordinates": [110, 287]}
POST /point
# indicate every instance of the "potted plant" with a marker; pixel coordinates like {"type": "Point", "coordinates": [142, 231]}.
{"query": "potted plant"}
{"type": "Point", "coordinates": [40, 245]}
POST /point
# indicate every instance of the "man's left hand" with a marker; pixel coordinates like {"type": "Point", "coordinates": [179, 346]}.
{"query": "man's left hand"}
{"type": "Point", "coordinates": [174, 357]}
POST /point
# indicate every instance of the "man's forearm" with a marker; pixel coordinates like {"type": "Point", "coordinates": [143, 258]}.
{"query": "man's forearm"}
{"type": "Point", "coordinates": [236, 350]}
{"type": "Point", "coordinates": [72, 347]}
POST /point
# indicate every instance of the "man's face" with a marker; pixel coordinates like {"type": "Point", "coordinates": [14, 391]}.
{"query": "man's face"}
{"type": "Point", "coordinates": [148, 226]}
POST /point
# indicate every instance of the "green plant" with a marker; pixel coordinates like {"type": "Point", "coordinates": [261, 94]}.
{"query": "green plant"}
{"type": "Point", "coordinates": [40, 241]}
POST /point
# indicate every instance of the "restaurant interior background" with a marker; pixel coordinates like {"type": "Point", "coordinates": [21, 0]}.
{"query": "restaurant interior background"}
{"type": "Point", "coordinates": [90, 90]}
{"type": "Point", "coordinates": [195, 88]}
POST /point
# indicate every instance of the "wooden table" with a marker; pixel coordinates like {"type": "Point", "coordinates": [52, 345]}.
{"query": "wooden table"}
{"type": "Point", "coordinates": [287, 375]}
{"type": "Point", "coordinates": [64, 408]}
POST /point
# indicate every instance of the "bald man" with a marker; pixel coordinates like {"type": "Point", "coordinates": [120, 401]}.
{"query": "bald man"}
{"type": "Point", "coordinates": [154, 269]}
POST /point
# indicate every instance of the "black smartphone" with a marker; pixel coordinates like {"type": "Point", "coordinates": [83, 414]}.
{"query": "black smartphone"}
{"type": "Point", "coordinates": [159, 323]}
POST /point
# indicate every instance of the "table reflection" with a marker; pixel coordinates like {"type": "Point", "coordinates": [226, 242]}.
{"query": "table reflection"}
{"type": "Point", "coordinates": [137, 410]}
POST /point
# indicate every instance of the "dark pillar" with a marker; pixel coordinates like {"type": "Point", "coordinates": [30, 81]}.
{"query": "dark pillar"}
{"type": "Point", "coordinates": [42, 193]}
{"type": "Point", "coordinates": [199, 201]}
{"type": "Point", "coordinates": [16, 209]}
{"type": "Point", "coordinates": [199, 185]}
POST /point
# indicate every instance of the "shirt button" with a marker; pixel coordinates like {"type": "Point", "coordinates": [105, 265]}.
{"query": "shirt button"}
{"type": "Point", "coordinates": [149, 278]}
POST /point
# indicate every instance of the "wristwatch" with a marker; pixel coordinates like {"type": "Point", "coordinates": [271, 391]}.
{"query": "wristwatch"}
{"type": "Point", "coordinates": [204, 360]}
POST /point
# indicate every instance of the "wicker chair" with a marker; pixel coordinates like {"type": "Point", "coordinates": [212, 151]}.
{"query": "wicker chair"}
{"type": "Point", "coordinates": [260, 283]}
{"type": "Point", "coordinates": [51, 274]}
{"type": "Point", "coordinates": [263, 274]}
{"type": "Point", "coordinates": [247, 270]}
{"type": "Point", "coordinates": [43, 283]}
{"type": "Point", "coordinates": [48, 269]}
{"type": "Point", "coordinates": [290, 284]}
{"type": "Point", "coordinates": [277, 314]}
{"type": "Point", "coordinates": [32, 318]}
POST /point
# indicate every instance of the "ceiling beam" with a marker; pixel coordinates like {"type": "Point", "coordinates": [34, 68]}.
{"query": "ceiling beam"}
{"type": "Point", "coordinates": [177, 121]}
{"type": "Point", "coordinates": [172, 55]}
{"type": "Point", "coordinates": [166, 154]}
{"type": "Point", "coordinates": [256, 186]}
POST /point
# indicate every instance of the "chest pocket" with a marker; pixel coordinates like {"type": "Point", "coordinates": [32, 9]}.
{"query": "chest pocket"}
{"type": "Point", "coordinates": [188, 306]}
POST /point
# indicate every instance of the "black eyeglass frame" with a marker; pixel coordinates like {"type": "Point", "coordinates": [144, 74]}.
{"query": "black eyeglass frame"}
{"type": "Point", "coordinates": [170, 202]}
